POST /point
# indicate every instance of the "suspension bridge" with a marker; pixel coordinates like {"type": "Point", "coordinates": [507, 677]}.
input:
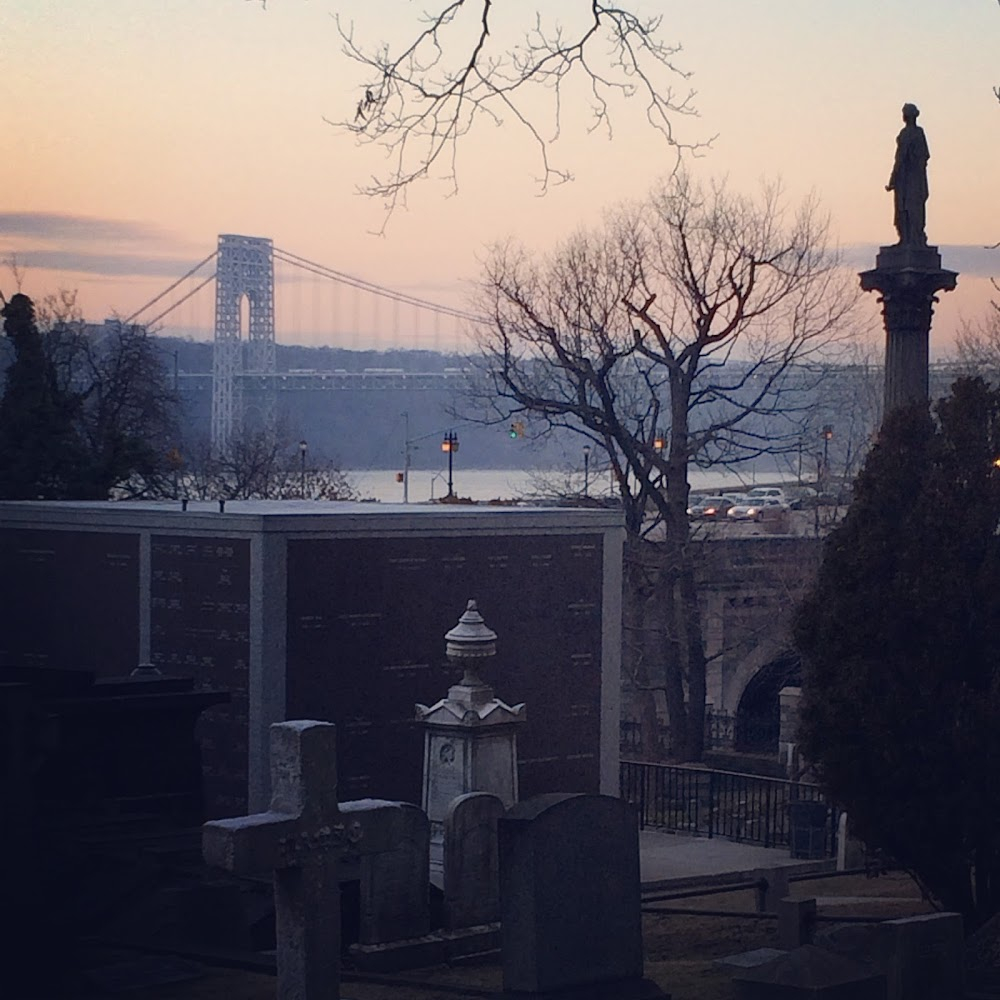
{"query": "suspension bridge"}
{"type": "Point", "coordinates": [317, 304]}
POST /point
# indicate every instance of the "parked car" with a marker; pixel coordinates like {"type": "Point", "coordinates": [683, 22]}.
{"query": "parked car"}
{"type": "Point", "coordinates": [765, 492]}
{"type": "Point", "coordinates": [809, 498]}
{"type": "Point", "coordinates": [710, 508]}
{"type": "Point", "coordinates": [805, 498]}
{"type": "Point", "coordinates": [760, 509]}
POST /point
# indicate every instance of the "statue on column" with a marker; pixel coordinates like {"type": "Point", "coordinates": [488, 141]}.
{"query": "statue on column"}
{"type": "Point", "coordinates": [908, 276]}
{"type": "Point", "coordinates": [908, 181]}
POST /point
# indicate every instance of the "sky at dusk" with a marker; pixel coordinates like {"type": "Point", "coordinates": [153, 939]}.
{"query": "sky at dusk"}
{"type": "Point", "coordinates": [135, 132]}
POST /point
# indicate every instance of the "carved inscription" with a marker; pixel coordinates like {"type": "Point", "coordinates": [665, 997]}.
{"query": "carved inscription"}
{"type": "Point", "coordinates": [200, 627]}
{"type": "Point", "coordinates": [70, 599]}
{"type": "Point", "coordinates": [386, 604]}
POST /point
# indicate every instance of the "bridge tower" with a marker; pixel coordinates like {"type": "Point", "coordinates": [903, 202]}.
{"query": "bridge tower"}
{"type": "Point", "coordinates": [245, 267]}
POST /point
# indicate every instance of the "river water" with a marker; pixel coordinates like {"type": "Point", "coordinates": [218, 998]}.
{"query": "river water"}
{"type": "Point", "coordinates": [507, 484]}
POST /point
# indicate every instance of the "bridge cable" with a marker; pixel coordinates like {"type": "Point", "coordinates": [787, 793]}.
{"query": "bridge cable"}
{"type": "Point", "coordinates": [379, 291]}
{"type": "Point", "coordinates": [180, 301]}
{"type": "Point", "coordinates": [376, 289]}
{"type": "Point", "coordinates": [167, 291]}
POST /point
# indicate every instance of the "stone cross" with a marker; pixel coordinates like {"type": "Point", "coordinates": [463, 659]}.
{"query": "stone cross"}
{"type": "Point", "coordinates": [301, 838]}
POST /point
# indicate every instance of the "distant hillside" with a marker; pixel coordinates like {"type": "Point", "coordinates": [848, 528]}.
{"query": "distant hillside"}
{"type": "Point", "coordinates": [365, 428]}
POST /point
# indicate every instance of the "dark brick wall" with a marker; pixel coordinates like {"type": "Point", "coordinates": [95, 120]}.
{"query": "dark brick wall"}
{"type": "Point", "coordinates": [69, 599]}
{"type": "Point", "coordinates": [366, 624]}
{"type": "Point", "coordinates": [200, 628]}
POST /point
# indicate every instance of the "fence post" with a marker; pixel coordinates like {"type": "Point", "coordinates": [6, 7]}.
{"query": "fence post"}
{"type": "Point", "coordinates": [711, 803]}
{"type": "Point", "coordinates": [767, 815]}
{"type": "Point", "coordinates": [643, 798]}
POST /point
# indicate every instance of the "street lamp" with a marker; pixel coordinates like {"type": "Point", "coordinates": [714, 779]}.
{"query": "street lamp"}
{"type": "Point", "coordinates": [303, 448]}
{"type": "Point", "coordinates": [406, 456]}
{"type": "Point", "coordinates": [450, 445]}
{"type": "Point", "coordinates": [827, 436]}
{"type": "Point", "coordinates": [586, 468]}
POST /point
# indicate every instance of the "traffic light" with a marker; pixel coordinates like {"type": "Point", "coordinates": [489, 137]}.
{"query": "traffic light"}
{"type": "Point", "coordinates": [516, 430]}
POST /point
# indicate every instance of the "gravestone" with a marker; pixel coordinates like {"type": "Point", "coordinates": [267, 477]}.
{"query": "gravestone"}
{"type": "Point", "coordinates": [569, 896]}
{"type": "Point", "coordinates": [809, 973]}
{"type": "Point", "coordinates": [796, 922]}
{"type": "Point", "coordinates": [921, 957]}
{"type": "Point", "coordinates": [750, 959]}
{"type": "Point", "coordinates": [395, 883]}
{"type": "Point", "coordinates": [299, 838]}
{"type": "Point", "coordinates": [470, 736]}
{"type": "Point", "coordinates": [303, 838]}
{"type": "Point", "coordinates": [772, 887]}
{"type": "Point", "coordinates": [850, 850]}
{"type": "Point", "coordinates": [471, 861]}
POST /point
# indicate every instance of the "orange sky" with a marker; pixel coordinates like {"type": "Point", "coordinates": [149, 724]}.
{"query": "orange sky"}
{"type": "Point", "coordinates": [136, 132]}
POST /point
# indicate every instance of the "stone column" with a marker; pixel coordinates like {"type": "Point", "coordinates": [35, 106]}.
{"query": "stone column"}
{"type": "Point", "coordinates": [908, 276]}
{"type": "Point", "coordinates": [470, 736]}
{"type": "Point", "coordinates": [789, 699]}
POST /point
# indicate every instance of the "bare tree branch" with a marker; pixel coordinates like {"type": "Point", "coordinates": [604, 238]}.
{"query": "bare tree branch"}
{"type": "Point", "coordinates": [690, 329]}
{"type": "Point", "coordinates": [421, 100]}
{"type": "Point", "coordinates": [261, 465]}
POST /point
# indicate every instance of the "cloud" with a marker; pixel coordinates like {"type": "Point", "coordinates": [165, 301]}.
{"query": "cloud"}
{"type": "Point", "coordinates": [52, 227]}
{"type": "Point", "coordinates": [62, 242]}
{"type": "Point", "coordinates": [968, 259]}
{"type": "Point", "coordinates": [112, 264]}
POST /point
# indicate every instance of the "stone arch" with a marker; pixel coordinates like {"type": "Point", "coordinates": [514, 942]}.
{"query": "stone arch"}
{"type": "Point", "coordinates": [769, 648]}
{"type": "Point", "coordinates": [758, 714]}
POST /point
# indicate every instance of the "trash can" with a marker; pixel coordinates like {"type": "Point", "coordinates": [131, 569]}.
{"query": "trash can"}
{"type": "Point", "coordinates": [808, 822]}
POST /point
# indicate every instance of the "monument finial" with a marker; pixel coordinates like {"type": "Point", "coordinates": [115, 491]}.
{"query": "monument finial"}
{"type": "Point", "coordinates": [470, 638]}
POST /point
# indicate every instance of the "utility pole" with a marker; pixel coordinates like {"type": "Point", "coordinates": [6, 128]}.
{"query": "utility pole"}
{"type": "Point", "coordinates": [406, 456]}
{"type": "Point", "coordinates": [827, 435]}
{"type": "Point", "coordinates": [303, 448]}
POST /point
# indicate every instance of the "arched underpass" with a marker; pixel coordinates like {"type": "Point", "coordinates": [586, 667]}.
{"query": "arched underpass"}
{"type": "Point", "coordinates": [758, 718]}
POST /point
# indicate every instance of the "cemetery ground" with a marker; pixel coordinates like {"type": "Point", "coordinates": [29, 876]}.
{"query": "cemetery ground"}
{"type": "Point", "coordinates": [681, 950]}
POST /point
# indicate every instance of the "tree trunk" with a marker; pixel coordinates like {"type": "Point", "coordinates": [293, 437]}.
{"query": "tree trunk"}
{"type": "Point", "coordinates": [688, 646]}
{"type": "Point", "coordinates": [695, 657]}
{"type": "Point", "coordinates": [641, 656]}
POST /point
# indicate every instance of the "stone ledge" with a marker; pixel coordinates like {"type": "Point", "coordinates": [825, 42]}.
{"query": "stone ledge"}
{"type": "Point", "coordinates": [903, 257]}
{"type": "Point", "coordinates": [616, 989]}
{"type": "Point", "coordinates": [435, 948]}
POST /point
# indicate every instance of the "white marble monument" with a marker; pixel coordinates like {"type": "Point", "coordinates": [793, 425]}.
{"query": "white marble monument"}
{"type": "Point", "coordinates": [470, 736]}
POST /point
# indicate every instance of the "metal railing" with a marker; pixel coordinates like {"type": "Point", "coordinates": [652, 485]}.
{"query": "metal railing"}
{"type": "Point", "coordinates": [772, 812]}
{"type": "Point", "coordinates": [723, 731]}
{"type": "Point", "coordinates": [728, 731]}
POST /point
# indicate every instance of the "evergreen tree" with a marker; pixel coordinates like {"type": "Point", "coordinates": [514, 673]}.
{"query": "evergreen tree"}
{"type": "Point", "coordinates": [84, 415]}
{"type": "Point", "coordinates": [900, 640]}
{"type": "Point", "coordinates": [39, 451]}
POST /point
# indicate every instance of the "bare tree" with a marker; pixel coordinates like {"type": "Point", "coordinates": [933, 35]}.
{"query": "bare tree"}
{"type": "Point", "coordinates": [260, 465]}
{"type": "Point", "coordinates": [692, 328]}
{"type": "Point", "coordinates": [978, 344]}
{"type": "Point", "coordinates": [128, 410]}
{"type": "Point", "coordinates": [461, 66]}
{"type": "Point", "coordinates": [839, 430]}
